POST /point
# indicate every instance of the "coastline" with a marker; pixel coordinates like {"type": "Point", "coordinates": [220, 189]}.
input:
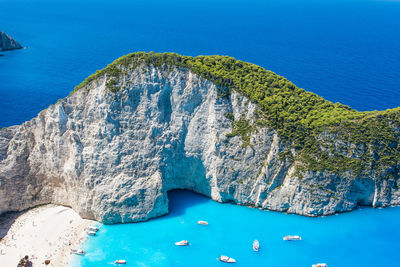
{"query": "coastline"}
{"type": "Point", "coordinates": [44, 232]}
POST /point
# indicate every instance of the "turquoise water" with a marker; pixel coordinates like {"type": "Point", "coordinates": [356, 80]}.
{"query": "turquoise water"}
{"type": "Point", "coordinates": [365, 237]}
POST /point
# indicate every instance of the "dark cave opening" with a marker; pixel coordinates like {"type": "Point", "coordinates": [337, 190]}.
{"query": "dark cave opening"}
{"type": "Point", "coordinates": [179, 200]}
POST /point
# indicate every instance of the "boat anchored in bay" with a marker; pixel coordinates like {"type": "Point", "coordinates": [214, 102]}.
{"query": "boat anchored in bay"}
{"type": "Point", "coordinates": [292, 238]}
{"type": "Point", "coordinates": [226, 259]}
{"type": "Point", "coordinates": [93, 228]}
{"type": "Point", "coordinates": [92, 233]}
{"type": "Point", "coordinates": [182, 243]}
{"type": "Point", "coordinates": [256, 245]}
{"type": "Point", "coordinates": [78, 252]}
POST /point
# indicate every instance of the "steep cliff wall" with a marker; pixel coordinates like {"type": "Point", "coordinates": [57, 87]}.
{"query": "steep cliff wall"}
{"type": "Point", "coordinates": [112, 155]}
{"type": "Point", "coordinates": [8, 43]}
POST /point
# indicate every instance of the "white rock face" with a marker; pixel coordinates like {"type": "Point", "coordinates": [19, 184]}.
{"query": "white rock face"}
{"type": "Point", "coordinates": [112, 157]}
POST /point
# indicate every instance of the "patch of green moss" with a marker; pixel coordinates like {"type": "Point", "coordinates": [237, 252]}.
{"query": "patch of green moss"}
{"type": "Point", "coordinates": [243, 128]}
{"type": "Point", "coordinates": [112, 70]}
{"type": "Point", "coordinates": [112, 85]}
{"type": "Point", "coordinates": [229, 116]}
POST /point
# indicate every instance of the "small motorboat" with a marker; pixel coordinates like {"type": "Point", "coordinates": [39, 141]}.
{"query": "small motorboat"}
{"type": "Point", "coordinates": [91, 233]}
{"type": "Point", "coordinates": [320, 265]}
{"type": "Point", "coordinates": [120, 262]}
{"type": "Point", "coordinates": [78, 251]}
{"type": "Point", "coordinates": [202, 222]}
{"type": "Point", "coordinates": [256, 245]}
{"type": "Point", "coordinates": [226, 259]}
{"type": "Point", "coordinates": [182, 243]}
{"type": "Point", "coordinates": [292, 238]}
{"type": "Point", "coordinates": [93, 228]}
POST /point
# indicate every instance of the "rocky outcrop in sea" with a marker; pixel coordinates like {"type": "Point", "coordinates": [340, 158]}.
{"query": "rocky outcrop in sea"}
{"type": "Point", "coordinates": [8, 43]}
{"type": "Point", "coordinates": [113, 156]}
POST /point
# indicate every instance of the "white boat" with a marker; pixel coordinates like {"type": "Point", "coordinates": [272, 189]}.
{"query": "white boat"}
{"type": "Point", "coordinates": [182, 243]}
{"type": "Point", "coordinates": [78, 251]}
{"type": "Point", "coordinates": [256, 245]}
{"type": "Point", "coordinates": [202, 222]}
{"type": "Point", "coordinates": [226, 259]}
{"type": "Point", "coordinates": [320, 265]}
{"type": "Point", "coordinates": [93, 228]}
{"type": "Point", "coordinates": [120, 262]}
{"type": "Point", "coordinates": [91, 233]}
{"type": "Point", "coordinates": [292, 238]}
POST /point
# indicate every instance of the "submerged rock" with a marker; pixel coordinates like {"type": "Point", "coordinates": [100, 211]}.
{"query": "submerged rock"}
{"type": "Point", "coordinates": [8, 43]}
{"type": "Point", "coordinates": [112, 155]}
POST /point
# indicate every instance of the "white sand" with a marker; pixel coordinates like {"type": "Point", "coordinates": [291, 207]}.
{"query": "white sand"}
{"type": "Point", "coordinates": [46, 232]}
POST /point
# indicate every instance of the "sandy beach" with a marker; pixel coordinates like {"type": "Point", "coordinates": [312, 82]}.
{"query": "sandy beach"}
{"type": "Point", "coordinates": [45, 232]}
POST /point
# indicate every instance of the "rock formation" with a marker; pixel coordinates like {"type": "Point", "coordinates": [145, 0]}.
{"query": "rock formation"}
{"type": "Point", "coordinates": [8, 43]}
{"type": "Point", "coordinates": [113, 155]}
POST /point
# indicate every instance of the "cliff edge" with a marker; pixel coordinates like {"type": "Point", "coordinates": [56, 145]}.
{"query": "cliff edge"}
{"type": "Point", "coordinates": [149, 123]}
{"type": "Point", "coordinates": [8, 43]}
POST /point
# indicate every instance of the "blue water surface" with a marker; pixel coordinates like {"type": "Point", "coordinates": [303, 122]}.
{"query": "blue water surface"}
{"type": "Point", "coordinates": [344, 50]}
{"type": "Point", "coordinates": [365, 237]}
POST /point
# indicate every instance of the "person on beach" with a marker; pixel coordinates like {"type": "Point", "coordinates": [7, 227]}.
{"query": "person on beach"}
{"type": "Point", "coordinates": [25, 262]}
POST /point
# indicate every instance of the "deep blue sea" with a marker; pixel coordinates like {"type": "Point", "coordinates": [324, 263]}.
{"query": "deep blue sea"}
{"type": "Point", "coordinates": [347, 51]}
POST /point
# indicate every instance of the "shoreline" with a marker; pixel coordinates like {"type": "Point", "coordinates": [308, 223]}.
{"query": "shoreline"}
{"type": "Point", "coordinates": [44, 232]}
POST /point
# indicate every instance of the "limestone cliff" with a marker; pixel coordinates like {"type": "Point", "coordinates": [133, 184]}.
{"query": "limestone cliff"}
{"type": "Point", "coordinates": [112, 155]}
{"type": "Point", "coordinates": [8, 43]}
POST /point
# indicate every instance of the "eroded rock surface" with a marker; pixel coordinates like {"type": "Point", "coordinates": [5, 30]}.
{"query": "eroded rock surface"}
{"type": "Point", "coordinates": [113, 156]}
{"type": "Point", "coordinates": [7, 42]}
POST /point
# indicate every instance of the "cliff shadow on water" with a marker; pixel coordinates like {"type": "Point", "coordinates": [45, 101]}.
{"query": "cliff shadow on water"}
{"type": "Point", "coordinates": [181, 199]}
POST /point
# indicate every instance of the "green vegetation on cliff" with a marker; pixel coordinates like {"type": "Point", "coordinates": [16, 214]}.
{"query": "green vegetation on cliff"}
{"type": "Point", "coordinates": [317, 134]}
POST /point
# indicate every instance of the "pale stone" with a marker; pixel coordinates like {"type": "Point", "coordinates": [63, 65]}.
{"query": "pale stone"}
{"type": "Point", "coordinates": [112, 157]}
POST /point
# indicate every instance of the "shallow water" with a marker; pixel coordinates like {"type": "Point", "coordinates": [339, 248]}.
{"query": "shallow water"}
{"type": "Point", "coordinates": [365, 237]}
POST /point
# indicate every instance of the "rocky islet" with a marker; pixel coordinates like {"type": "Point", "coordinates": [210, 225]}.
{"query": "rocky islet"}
{"type": "Point", "coordinates": [8, 43]}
